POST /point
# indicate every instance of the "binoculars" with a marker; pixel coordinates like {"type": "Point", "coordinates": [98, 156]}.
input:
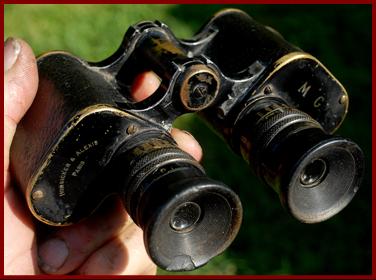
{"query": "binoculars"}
{"type": "Point", "coordinates": [85, 138]}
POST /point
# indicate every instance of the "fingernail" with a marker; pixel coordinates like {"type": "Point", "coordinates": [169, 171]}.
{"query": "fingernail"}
{"type": "Point", "coordinates": [52, 255]}
{"type": "Point", "coordinates": [186, 132]}
{"type": "Point", "coordinates": [12, 49]}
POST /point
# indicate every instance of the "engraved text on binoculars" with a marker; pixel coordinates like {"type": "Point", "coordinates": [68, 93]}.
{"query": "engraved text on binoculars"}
{"type": "Point", "coordinates": [305, 88]}
{"type": "Point", "coordinates": [68, 166]}
{"type": "Point", "coordinates": [269, 111]}
{"type": "Point", "coordinates": [149, 146]}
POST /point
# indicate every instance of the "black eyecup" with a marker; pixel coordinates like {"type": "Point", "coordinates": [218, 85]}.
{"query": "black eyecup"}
{"type": "Point", "coordinates": [219, 214]}
{"type": "Point", "coordinates": [340, 165]}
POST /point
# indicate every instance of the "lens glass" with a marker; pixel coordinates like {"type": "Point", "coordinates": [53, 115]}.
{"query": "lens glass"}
{"type": "Point", "coordinates": [185, 217]}
{"type": "Point", "coordinates": [313, 173]}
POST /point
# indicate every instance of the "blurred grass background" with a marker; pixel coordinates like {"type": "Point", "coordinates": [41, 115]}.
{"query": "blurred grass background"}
{"type": "Point", "coordinates": [270, 241]}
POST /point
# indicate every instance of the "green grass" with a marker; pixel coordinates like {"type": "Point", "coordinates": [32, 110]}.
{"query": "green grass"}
{"type": "Point", "coordinates": [90, 31]}
{"type": "Point", "coordinates": [270, 241]}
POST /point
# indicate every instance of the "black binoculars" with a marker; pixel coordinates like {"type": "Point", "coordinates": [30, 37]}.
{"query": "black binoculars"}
{"type": "Point", "coordinates": [85, 138]}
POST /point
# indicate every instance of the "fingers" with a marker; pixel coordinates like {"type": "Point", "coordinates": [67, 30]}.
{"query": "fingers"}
{"type": "Point", "coordinates": [19, 238]}
{"type": "Point", "coordinates": [20, 87]}
{"type": "Point", "coordinates": [107, 243]}
{"type": "Point", "coordinates": [187, 143]}
{"type": "Point", "coordinates": [69, 247]}
{"type": "Point", "coordinates": [145, 85]}
{"type": "Point", "coordinates": [124, 255]}
{"type": "Point", "coordinates": [20, 78]}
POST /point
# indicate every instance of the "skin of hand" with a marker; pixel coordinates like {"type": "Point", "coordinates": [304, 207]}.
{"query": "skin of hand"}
{"type": "Point", "coordinates": [108, 242]}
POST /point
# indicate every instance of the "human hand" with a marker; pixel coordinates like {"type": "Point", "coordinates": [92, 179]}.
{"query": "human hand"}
{"type": "Point", "coordinates": [108, 242]}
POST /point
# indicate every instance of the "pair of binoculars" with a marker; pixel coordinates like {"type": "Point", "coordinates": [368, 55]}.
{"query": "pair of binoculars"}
{"type": "Point", "coordinates": [85, 138]}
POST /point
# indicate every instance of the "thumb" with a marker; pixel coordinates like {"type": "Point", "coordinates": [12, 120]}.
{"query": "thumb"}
{"type": "Point", "coordinates": [20, 87]}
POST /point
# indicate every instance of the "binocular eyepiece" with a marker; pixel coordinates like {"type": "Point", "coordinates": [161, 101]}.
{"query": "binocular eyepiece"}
{"type": "Point", "coordinates": [169, 196]}
{"type": "Point", "coordinates": [315, 174]}
{"type": "Point", "coordinates": [84, 138]}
